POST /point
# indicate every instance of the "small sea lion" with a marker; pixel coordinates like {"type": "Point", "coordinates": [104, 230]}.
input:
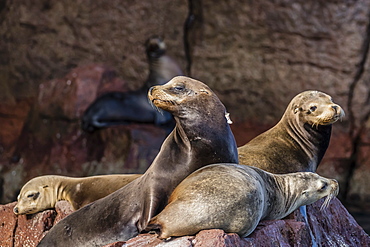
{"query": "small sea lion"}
{"type": "Point", "coordinates": [298, 142]}
{"type": "Point", "coordinates": [43, 192]}
{"type": "Point", "coordinates": [202, 136]}
{"type": "Point", "coordinates": [235, 198]}
{"type": "Point", "coordinates": [121, 108]}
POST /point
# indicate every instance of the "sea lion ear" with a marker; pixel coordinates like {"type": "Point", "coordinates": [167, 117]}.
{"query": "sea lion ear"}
{"type": "Point", "coordinates": [204, 91]}
{"type": "Point", "coordinates": [45, 186]}
{"type": "Point", "coordinates": [297, 109]}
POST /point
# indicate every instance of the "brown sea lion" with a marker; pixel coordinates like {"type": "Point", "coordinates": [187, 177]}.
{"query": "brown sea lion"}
{"type": "Point", "coordinates": [121, 108]}
{"type": "Point", "coordinates": [235, 198]}
{"type": "Point", "coordinates": [202, 136]}
{"type": "Point", "coordinates": [298, 142]}
{"type": "Point", "coordinates": [43, 192]}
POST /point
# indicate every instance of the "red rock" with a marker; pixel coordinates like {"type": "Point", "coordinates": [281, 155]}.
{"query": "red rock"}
{"type": "Point", "coordinates": [8, 224]}
{"type": "Point", "coordinates": [70, 96]}
{"type": "Point", "coordinates": [13, 116]}
{"type": "Point", "coordinates": [28, 230]}
{"type": "Point", "coordinates": [63, 209]}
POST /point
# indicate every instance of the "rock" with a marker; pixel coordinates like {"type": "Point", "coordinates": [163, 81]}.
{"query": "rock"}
{"type": "Point", "coordinates": [68, 97]}
{"type": "Point", "coordinates": [13, 116]}
{"type": "Point", "coordinates": [28, 230]}
{"type": "Point", "coordinates": [8, 222]}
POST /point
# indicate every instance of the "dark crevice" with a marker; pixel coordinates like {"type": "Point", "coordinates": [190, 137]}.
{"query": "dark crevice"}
{"type": "Point", "coordinates": [3, 9]}
{"type": "Point", "coordinates": [192, 30]}
{"type": "Point", "coordinates": [354, 130]}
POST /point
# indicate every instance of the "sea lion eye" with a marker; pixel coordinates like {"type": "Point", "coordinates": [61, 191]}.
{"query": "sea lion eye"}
{"type": "Point", "coordinates": [313, 108]}
{"type": "Point", "coordinates": [179, 87]}
{"type": "Point", "coordinates": [324, 186]}
{"type": "Point", "coordinates": [33, 195]}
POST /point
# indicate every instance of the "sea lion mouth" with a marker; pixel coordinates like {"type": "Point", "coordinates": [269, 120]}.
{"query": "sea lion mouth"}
{"type": "Point", "coordinates": [163, 101]}
{"type": "Point", "coordinates": [328, 119]}
{"type": "Point", "coordinates": [333, 193]}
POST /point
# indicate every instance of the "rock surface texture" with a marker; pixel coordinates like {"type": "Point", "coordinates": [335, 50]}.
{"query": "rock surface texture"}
{"type": "Point", "coordinates": [333, 226]}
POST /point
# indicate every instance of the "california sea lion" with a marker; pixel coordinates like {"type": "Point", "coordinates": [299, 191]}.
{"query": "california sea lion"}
{"type": "Point", "coordinates": [201, 136]}
{"type": "Point", "coordinates": [298, 142]}
{"type": "Point", "coordinates": [43, 192]}
{"type": "Point", "coordinates": [235, 198]}
{"type": "Point", "coordinates": [120, 108]}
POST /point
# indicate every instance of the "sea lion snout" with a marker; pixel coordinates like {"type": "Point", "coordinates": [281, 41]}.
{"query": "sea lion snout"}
{"type": "Point", "coordinates": [151, 90]}
{"type": "Point", "coordinates": [15, 210]}
{"type": "Point", "coordinates": [338, 111]}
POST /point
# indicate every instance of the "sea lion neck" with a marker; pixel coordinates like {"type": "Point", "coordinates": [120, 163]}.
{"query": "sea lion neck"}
{"type": "Point", "coordinates": [305, 136]}
{"type": "Point", "coordinates": [320, 135]}
{"type": "Point", "coordinates": [62, 189]}
{"type": "Point", "coordinates": [296, 131]}
{"type": "Point", "coordinates": [281, 193]}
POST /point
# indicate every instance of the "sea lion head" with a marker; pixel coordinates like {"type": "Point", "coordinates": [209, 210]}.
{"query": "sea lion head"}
{"type": "Point", "coordinates": [314, 187]}
{"type": "Point", "coordinates": [34, 197]}
{"type": "Point", "coordinates": [315, 108]}
{"type": "Point", "coordinates": [155, 47]}
{"type": "Point", "coordinates": [185, 97]}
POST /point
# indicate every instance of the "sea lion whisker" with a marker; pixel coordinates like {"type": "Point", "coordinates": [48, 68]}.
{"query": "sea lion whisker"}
{"type": "Point", "coordinates": [154, 106]}
{"type": "Point", "coordinates": [326, 202]}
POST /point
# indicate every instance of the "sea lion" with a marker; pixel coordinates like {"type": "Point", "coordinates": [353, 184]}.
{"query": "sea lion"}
{"type": "Point", "coordinates": [43, 192]}
{"type": "Point", "coordinates": [202, 136]}
{"type": "Point", "coordinates": [298, 142]}
{"type": "Point", "coordinates": [120, 108]}
{"type": "Point", "coordinates": [235, 198]}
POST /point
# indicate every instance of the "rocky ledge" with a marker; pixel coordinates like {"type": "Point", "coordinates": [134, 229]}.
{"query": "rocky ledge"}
{"type": "Point", "coordinates": [333, 226]}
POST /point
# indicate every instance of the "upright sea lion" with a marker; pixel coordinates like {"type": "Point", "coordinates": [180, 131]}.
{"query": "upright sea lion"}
{"type": "Point", "coordinates": [119, 108]}
{"type": "Point", "coordinates": [235, 198]}
{"type": "Point", "coordinates": [43, 192]}
{"type": "Point", "coordinates": [202, 136]}
{"type": "Point", "coordinates": [298, 142]}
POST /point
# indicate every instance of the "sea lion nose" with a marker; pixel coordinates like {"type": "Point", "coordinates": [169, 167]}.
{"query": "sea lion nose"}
{"type": "Point", "coordinates": [151, 89]}
{"type": "Point", "coordinates": [335, 107]}
{"type": "Point", "coordinates": [15, 210]}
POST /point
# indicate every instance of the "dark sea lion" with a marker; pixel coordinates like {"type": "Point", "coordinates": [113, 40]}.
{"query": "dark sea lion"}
{"type": "Point", "coordinates": [43, 192]}
{"type": "Point", "coordinates": [120, 108]}
{"type": "Point", "coordinates": [298, 142]}
{"type": "Point", "coordinates": [202, 136]}
{"type": "Point", "coordinates": [235, 198]}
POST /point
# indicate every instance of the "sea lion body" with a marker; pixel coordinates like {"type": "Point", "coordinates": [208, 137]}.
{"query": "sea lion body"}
{"type": "Point", "coordinates": [298, 142]}
{"type": "Point", "coordinates": [201, 136]}
{"type": "Point", "coordinates": [43, 192]}
{"type": "Point", "coordinates": [235, 198]}
{"type": "Point", "coordinates": [122, 108]}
